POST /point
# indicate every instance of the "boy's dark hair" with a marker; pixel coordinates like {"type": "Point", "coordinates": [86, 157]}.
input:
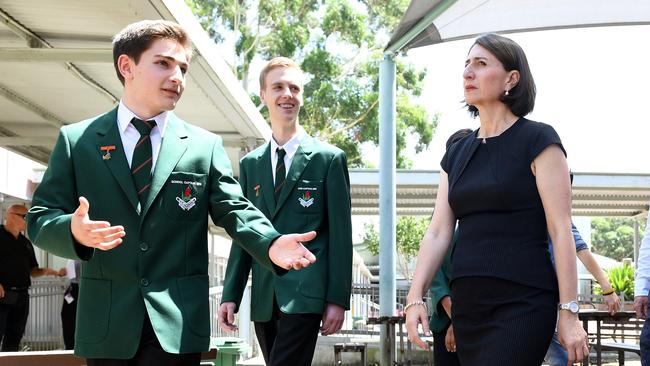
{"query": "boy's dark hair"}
{"type": "Point", "coordinates": [458, 135]}
{"type": "Point", "coordinates": [521, 98]}
{"type": "Point", "coordinates": [137, 37]}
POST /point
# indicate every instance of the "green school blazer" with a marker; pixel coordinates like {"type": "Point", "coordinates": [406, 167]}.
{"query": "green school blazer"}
{"type": "Point", "coordinates": [315, 196]}
{"type": "Point", "coordinates": [440, 289]}
{"type": "Point", "coordinates": [161, 268]}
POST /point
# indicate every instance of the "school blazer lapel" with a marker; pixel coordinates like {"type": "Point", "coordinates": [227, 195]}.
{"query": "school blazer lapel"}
{"type": "Point", "coordinates": [300, 161]}
{"type": "Point", "coordinates": [109, 136]}
{"type": "Point", "coordinates": [266, 180]}
{"type": "Point", "coordinates": [174, 145]}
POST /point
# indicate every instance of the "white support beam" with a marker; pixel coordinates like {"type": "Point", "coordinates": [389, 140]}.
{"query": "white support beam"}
{"type": "Point", "coordinates": [30, 105]}
{"type": "Point", "coordinates": [56, 55]}
{"type": "Point", "coordinates": [25, 141]}
{"type": "Point", "coordinates": [35, 41]}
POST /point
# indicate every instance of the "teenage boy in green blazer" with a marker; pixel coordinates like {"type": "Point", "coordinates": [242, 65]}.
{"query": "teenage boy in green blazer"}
{"type": "Point", "coordinates": [129, 193]}
{"type": "Point", "coordinates": [302, 184]}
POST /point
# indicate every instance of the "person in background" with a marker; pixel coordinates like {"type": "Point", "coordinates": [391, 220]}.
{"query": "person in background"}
{"type": "Point", "coordinates": [641, 288]}
{"type": "Point", "coordinates": [17, 265]}
{"type": "Point", "coordinates": [69, 307]}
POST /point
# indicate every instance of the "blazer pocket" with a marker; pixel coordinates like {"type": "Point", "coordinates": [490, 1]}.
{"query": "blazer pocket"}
{"type": "Point", "coordinates": [184, 196]}
{"type": "Point", "coordinates": [194, 303]}
{"type": "Point", "coordinates": [94, 310]}
{"type": "Point", "coordinates": [312, 281]}
{"type": "Point", "coordinates": [308, 196]}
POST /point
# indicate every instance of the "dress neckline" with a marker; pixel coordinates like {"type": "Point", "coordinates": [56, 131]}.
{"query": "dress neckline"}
{"type": "Point", "coordinates": [485, 140]}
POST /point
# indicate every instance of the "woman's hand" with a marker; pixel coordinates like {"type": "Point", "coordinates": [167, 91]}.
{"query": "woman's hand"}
{"type": "Point", "coordinates": [613, 303]}
{"type": "Point", "coordinates": [450, 340]}
{"type": "Point", "coordinates": [417, 314]}
{"type": "Point", "coordinates": [572, 336]}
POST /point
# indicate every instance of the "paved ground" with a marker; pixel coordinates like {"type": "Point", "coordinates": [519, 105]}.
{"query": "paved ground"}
{"type": "Point", "coordinates": [259, 361]}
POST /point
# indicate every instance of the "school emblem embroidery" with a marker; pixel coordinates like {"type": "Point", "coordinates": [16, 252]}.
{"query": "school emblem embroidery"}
{"type": "Point", "coordinates": [187, 201]}
{"type": "Point", "coordinates": [306, 200]}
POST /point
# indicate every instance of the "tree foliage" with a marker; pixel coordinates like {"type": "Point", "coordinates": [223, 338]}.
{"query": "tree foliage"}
{"type": "Point", "coordinates": [338, 44]}
{"type": "Point", "coordinates": [409, 233]}
{"type": "Point", "coordinates": [614, 237]}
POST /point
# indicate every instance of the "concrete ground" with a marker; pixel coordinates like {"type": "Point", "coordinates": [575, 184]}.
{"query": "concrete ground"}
{"type": "Point", "coordinates": [324, 355]}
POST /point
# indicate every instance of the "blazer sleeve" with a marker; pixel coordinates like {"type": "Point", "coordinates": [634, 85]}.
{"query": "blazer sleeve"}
{"type": "Point", "coordinates": [232, 211]}
{"type": "Point", "coordinates": [54, 202]}
{"type": "Point", "coordinates": [339, 216]}
{"type": "Point", "coordinates": [239, 263]}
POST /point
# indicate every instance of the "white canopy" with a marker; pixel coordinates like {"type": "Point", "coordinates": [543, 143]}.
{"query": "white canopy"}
{"type": "Point", "coordinates": [429, 22]}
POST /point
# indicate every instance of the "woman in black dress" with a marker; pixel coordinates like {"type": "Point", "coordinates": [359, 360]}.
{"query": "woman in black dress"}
{"type": "Point", "coordinates": [507, 185]}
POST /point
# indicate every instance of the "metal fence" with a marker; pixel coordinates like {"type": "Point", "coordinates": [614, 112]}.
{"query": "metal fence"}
{"type": "Point", "coordinates": [43, 331]}
{"type": "Point", "coordinates": [364, 304]}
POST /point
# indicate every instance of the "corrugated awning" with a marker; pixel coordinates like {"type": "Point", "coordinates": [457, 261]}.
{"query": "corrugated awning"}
{"type": "Point", "coordinates": [58, 69]}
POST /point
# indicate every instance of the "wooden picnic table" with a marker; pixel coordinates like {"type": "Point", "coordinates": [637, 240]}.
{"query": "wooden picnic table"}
{"type": "Point", "coordinates": [600, 316]}
{"type": "Point", "coordinates": [394, 324]}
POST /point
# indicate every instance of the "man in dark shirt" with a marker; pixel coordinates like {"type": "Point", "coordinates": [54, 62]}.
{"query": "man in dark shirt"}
{"type": "Point", "coordinates": [17, 264]}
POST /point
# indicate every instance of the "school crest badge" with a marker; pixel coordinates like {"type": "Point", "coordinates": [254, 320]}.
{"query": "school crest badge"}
{"type": "Point", "coordinates": [186, 201]}
{"type": "Point", "coordinates": [306, 200]}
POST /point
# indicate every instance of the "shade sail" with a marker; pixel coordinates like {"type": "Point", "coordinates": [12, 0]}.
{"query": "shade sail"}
{"type": "Point", "coordinates": [428, 22]}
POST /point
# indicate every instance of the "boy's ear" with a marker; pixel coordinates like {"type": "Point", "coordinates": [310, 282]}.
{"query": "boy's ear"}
{"type": "Point", "coordinates": [125, 66]}
{"type": "Point", "coordinates": [262, 96]}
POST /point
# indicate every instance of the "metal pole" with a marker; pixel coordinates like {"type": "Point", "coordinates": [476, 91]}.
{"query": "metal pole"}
{"type": "Point", "coordinates": [387, 198]}
{"type": "Point", "coordinates": [636, 242]}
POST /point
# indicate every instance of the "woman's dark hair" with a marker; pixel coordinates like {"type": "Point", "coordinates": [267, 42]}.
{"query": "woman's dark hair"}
{"type": "Point", "coordinates": [458, 135]}
{"type": "Point", "coordinates": [521, 98]}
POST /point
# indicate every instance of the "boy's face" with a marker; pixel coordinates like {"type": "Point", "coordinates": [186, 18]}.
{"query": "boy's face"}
{"type": "Point", "coordinates": [283, 94]}
{"type": "Point", "coordinates": [156, 82]}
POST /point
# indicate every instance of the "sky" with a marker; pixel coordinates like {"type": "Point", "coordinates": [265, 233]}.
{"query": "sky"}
{"type": "Point", "coordinates": [591, 83]}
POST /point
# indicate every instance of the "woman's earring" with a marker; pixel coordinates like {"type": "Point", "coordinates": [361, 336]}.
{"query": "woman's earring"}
{"type": "Point", "coordinates": [507, 93]}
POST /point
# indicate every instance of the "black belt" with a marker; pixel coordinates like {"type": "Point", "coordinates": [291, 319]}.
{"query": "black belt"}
{"type": "Point", "coordinates": [19, 288]}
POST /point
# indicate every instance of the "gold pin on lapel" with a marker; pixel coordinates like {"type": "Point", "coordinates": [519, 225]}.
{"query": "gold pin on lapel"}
{"type": "Point", "coordinates": [257, 190]}
{"type": "Point", "coordinates": [108, 149]}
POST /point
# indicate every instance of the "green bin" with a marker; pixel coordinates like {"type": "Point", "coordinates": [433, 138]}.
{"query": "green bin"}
{"type": "Point", "coordinates": [228, 350]}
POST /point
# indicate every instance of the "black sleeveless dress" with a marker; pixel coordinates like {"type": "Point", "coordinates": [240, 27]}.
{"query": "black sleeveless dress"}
{"type": "Point", "coordinates": [504, 287]}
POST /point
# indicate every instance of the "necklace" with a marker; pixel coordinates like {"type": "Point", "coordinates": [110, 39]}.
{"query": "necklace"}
{"type": "Point", "coordinates": [508, 125]}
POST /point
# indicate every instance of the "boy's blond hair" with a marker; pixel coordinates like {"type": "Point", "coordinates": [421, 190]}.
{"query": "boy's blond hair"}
{"type": "Point", "coordinates": [274, 64]}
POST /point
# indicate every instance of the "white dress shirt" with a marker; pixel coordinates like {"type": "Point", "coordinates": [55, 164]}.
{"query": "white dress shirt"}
{"type": "Point", "coordinates": [130, 136]}
{"type": "Point", "coordinates": [290, 147]}
{"type": "Point", "coordinates": [642, 278]}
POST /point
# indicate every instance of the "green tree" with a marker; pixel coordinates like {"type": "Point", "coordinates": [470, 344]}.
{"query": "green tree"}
{"type": "Point", "coordinates": [409, 233]}
{"type": "Point", "coordinates": [614, 237]}
{"type": "Point", "coordinates": [338, 44]}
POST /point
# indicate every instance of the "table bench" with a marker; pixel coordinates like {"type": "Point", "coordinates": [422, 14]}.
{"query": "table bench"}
{"type": "Point", "coordinates": [620, 347]}
{"type": "Point", "coordinates": [618, 328]}
{"type": "Point", "coordinates": [349, 347]}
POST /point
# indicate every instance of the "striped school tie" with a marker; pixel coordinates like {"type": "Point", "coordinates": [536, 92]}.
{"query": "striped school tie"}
{"type": "Point", "coordinates": [142, 159]}
{"type": "Point", "coordinates": [280, 173]}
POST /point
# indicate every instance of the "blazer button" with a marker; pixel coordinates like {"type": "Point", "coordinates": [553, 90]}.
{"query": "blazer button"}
{"type": "Point", "coordinates": [144, 246]}
{"type": "Point", "coordinates": [144, 282]}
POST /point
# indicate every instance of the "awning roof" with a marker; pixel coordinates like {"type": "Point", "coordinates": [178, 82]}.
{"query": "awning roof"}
{"type": "Point", "coordinates": [594, 194]}
{"type": "Point", "coordinates": [58, 69]}
{"type": "Point", "coordinates": [429, 22]}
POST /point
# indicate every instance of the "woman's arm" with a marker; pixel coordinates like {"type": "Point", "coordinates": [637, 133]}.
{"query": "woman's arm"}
{"type": "Point", "coordinates": [612, 300]}
{"type": "Point", "coordinates": [433, 249]}
{"type": "Point", "coordinates": [552, 178]}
